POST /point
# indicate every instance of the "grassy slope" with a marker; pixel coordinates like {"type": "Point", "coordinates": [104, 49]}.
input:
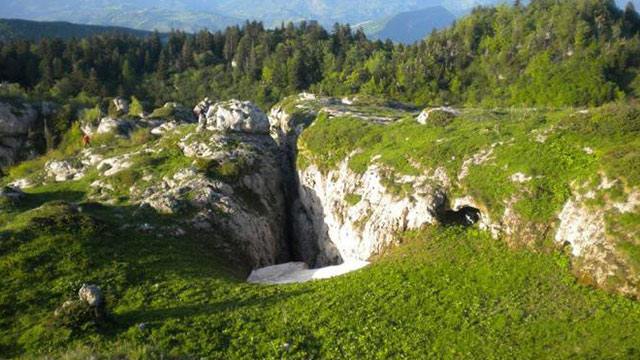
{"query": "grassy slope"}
{"type": "Point", "coordinates": [444, 293]}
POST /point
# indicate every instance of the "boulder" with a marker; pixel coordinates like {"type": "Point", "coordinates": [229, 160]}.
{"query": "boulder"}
{"type": "Point", "coordinates": [201, 109]}
{"type": "Point", "coordinates": [107, 125]}
{"type": "Point", "coordinates": [443, 112]}
{"type": "Point", "coordinates": [110, 125]}
{"type": "Point", "coordinates": [121, 105]}
{"type": "Point", "coordinates": [21, 183]}
{"type": "Point", "coordinates": [62, 171]}
{"type": "Point", "coordinates": [164, 128]}
{"type": "Point", "coordinates": [10, 192]}
{"type": "Point", "coordinates": [236, 116]}
{"type": "Point", "coordinates": [91, 294]}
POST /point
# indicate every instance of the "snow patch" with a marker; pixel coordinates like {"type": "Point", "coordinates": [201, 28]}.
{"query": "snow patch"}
{"type": "Point", "coordinates": [299, 272]}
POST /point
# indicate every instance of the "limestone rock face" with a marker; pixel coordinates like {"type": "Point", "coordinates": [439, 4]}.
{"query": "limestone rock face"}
{"type": "Point", "coordinates": [584, 229]}
{"type": "Point", "coordinates": [236, 116]}
{"type": "Point", "coordinates": [246, 203]}
{"type": "Point", "coordinates": [15, 124]}
{"type": "Point", "coordinates": [354, 230]}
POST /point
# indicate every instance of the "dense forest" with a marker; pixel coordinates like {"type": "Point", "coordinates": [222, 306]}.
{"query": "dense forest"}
{"type": "Point", "coordinates": [547, 53]}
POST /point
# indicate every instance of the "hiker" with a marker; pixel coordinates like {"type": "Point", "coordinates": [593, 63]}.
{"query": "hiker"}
{"type": "Point", "coordinates": [86, 140]}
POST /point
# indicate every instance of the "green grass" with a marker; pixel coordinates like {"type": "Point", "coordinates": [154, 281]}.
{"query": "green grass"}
{"type": "Point", "coordinates": [443, 294]}
{"type": "Point", "coordinates": [353, 199]}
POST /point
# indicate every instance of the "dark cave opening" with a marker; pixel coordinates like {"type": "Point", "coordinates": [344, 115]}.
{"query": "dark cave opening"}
{"type": "Point", "coordinates": [465, 216]}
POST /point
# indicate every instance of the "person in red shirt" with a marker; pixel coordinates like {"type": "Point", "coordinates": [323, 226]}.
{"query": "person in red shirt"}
{"type": "Point", "coordinates": [86, 140]}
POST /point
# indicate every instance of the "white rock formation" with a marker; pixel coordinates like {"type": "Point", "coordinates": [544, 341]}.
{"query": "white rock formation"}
{"type": "Point", "coordinates": [481, 157]}
{"type": "Point", "coordinates": [61, 170]}
{"type": "Point", "coordinates": [520, 178]}
{"type": "Point", "coordinates": [581, 227]}
{"type": "Point", "coordinates": [245, 212]}
{"type": "Point", "coordinates": [114, 165]}
{"type": "Point", "coordinates": [21, 184]}
{"type": "Point", "coordinates": [108, 125]}
{"type": "Point", "coordinates": [164, 128]}
{"type": "Point", "coordinates": [356, 231]}
{"type": "Point", "coordinates": [121, 104]}
{"type": "Point", "coordinates": [236, 116]}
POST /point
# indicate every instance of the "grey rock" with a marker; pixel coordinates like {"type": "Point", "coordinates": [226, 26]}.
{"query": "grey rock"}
{"type": "Point", "coordinates": [121, 104]}
{"type": "Point", "coordinates": [91, 294]}
{"type": "Point", "coordinates": [11, 193]}
{"type": "Point", "coordinates": [15, 122]}
{"type": "Point", "coordinates": [201, 110]}
{"type": "Point", "coordinates": [61, 170]}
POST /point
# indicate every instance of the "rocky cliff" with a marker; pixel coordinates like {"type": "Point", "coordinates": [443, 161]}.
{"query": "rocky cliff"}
{"type": "Point", "coordinates": [214, 181]}
{"type": "Point", "coordinates": [366, 172]}
{"type": "Point", "coordinates": [330, 181]}
{"type": "Point", "coordinates": [17, 121]}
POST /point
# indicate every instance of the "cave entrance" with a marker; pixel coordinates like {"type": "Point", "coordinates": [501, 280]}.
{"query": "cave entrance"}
{"type": "Point", "coordinates": [465, 216]}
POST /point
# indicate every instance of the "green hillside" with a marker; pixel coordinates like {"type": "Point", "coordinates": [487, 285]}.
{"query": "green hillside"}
{"type": "Point", "coordinates": [12, 29]}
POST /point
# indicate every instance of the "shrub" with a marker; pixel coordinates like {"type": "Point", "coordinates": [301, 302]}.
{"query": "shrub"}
{"type": "Point", "coordinates": [441, 118]}
{"type": "Point", "coordinates": [136, 108]}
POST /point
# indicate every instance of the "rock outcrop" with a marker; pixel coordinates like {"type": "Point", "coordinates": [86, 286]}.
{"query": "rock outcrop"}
{"type": "Point", "coordinates": [121, 105]}
{"type": "Point", "coordinates": [62, 170]}
{"type": "Point", "coordinates": [91, 294]}
{"type": "Point", "coordinates": [16, 122]}
{"type": "Point", "coordinates": [238, 116]}
{"type": "Point", "coordinates": [442, 112]}
{"type": "Point", "coordinates": [355, 216]}
{"type": "Point", "coordinates": [584, 229]}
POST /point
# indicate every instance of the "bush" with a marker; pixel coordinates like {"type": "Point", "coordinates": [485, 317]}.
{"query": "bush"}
{"type": "Point", "coordinates": [441, 118]}
{"type": "Point", "coordinates": [140, 136]}
{"type": "Point", "coordinates": [91, 116]}
{"type": "Point", "coordinates": [163, 112]}
{"type": "Point", "coordinates": [135, 108]}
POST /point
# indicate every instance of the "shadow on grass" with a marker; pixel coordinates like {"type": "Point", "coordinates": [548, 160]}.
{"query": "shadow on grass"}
{"type": "Point", "coordinates": [130, 318]}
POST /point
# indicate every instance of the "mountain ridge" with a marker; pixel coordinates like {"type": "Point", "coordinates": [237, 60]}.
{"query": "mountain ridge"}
{"type": "Point", "coordinates": [13, 29]}
{"type": "Point", "coordinates": [411, 26]}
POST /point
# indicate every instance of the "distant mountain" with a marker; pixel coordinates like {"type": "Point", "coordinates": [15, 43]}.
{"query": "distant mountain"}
{"type": "Point", "coordinates": [11, 29]}
{"type": "Point", "coordinates": [192, 15]}
{"type": "Point", "coordinates": [161, 15]}
{"type": "Point", "coordinates": [410, 26]}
